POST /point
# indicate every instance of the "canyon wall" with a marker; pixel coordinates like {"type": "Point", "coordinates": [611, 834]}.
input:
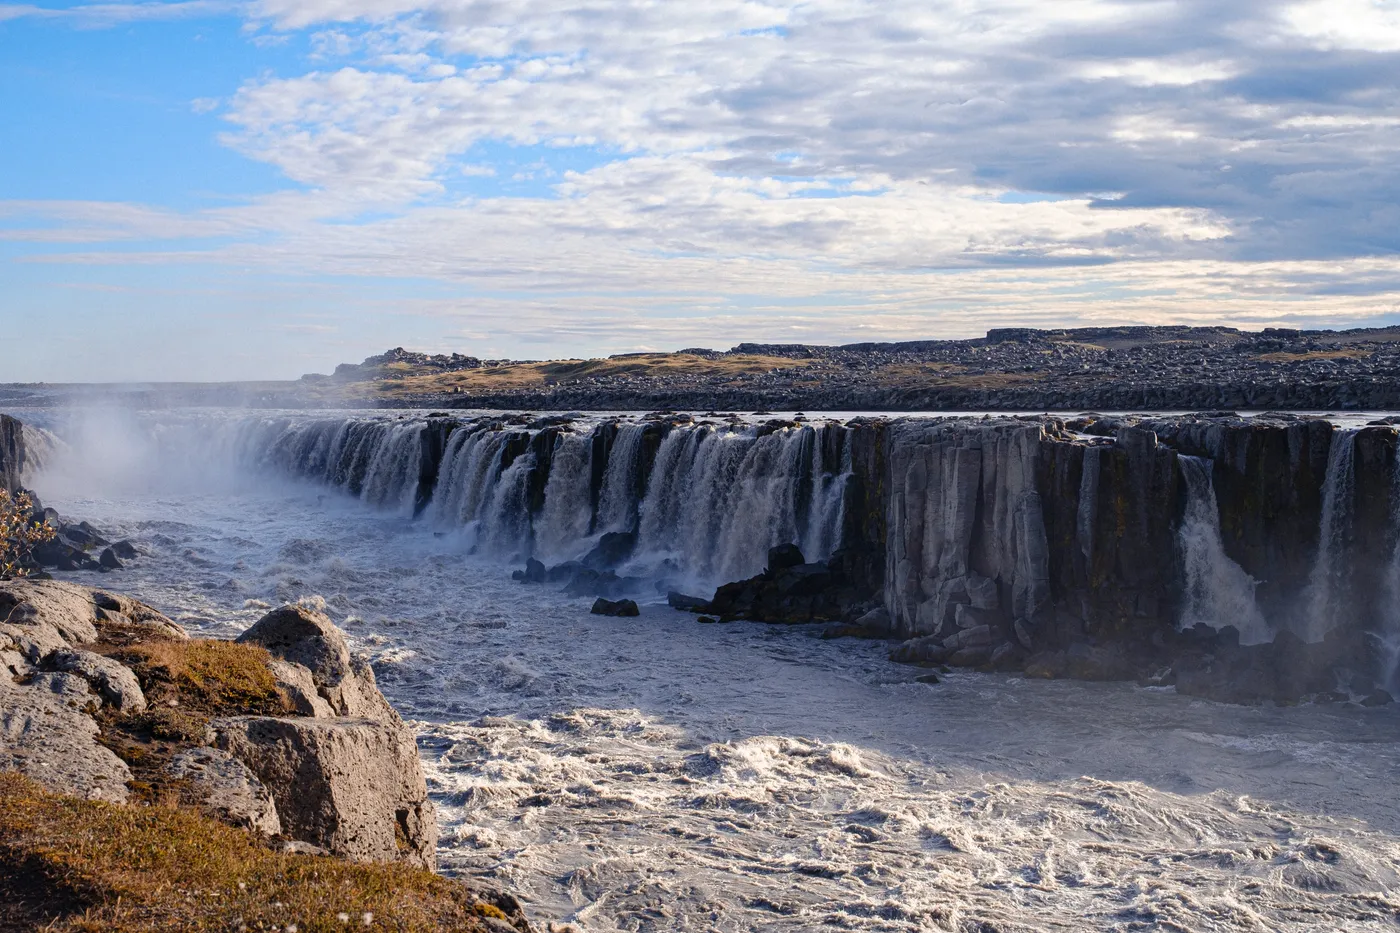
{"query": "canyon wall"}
{"type": "Point", "coordinates": [1261, 550]}
{"type": "Point", "coordinates": [11, 453]}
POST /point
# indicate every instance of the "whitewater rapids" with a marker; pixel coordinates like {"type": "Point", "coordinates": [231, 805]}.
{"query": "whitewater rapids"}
{"type": "Point", "coordinates": [655, 774]}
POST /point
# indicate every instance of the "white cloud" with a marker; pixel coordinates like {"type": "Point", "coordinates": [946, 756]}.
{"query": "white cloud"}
{"type": "Point", "coordinates": [822, 167]}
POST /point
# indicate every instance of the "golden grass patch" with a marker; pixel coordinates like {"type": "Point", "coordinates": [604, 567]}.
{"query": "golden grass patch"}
{"type": "Point", "coordinates": [77, 865]}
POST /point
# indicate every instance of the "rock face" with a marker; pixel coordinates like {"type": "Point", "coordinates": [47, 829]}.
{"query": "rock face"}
{"type": "Point", "coordinates": [49, 738]}
{"type": "Point", "coordinates": [1058, 546]}
{"type": "Point", "coordinates": [12, 454]}
{"type": "Point", "coordinates": [347, 778]}
{"type": "Point", "coordinates": [230, 791]}
{"type": "Point", "coordinates": [352, 786]}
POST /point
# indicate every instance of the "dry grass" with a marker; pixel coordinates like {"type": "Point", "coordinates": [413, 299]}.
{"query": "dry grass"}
{"type": "Point", "coordinates": [202, 675]}
{"type": "Point", "coordinates": [1285, 357]}
{"type": "Point", "coordinates": [79, 865]}
{"type": "Point", "coordinates": [563, 372]}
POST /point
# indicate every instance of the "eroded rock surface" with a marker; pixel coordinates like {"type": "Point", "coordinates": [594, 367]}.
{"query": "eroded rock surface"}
{"type": "Point", "coordinates": [352, 786]}
{"type": "Point", "coordinates": [230, 790]}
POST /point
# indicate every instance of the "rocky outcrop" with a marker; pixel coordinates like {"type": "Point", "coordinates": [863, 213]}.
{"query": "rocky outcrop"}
{"type": "Point", "coordinates": [51, 737]}
{"type": "Point", "coordinates": [1057, 546]}
{"type": "Point", "coordinates": [12, 454]}
{"type": "Point", "coordinates": [790, 590]}
{"type": "Point", "coordinates": [308, 639]}
{"type": "Point", "coordinates": [352, 786]}
{"type": "Point", "coordinates": [230, 791]}
{"type": "Point", "coordinates": [343, 775]}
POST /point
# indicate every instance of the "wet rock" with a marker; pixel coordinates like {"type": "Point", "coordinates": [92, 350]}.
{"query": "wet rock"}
{"type": "Point", "coordinates": [620, 607]}
{"type": "Point", "coordinates": [784, 556]}
{"type": "Point", "coordinates": [1378, 697]}
{"type": "Point", "coordinates": [687, 603]}
{"type": "Point", "coordinates": [927, 649]}
{"type": "Point", "coordinates": [876, 620]}
{"type": "Point", "coordinates": [611, 550]}
{"type": "Point", "coordinates": [352, 786]}
{"type": "Point", "coordinates": [112, 680]}
{"type": "Point", "coordinates": [928, 679]}
{"type": "Point", "coordinates": [534, 572]}
{"type": "Point", "coordinates": [124, 550]}
{"type": "Point", "coordinates": [229, 790]}
{"type": "Point", "coordinates": [108, 560]}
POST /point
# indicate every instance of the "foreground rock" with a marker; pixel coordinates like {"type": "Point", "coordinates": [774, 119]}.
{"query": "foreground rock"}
{"type": "Point", "coordinates": [352, 786]}
{"type": "Point", "coordinates": [91, 678]}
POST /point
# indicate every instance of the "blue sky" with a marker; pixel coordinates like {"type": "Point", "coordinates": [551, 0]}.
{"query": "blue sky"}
{"type": "Point", "coordinates": [213, 190]}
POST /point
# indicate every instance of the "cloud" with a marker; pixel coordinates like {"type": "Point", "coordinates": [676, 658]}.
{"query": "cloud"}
{"type": "Point", "coordinates": [823, 167]}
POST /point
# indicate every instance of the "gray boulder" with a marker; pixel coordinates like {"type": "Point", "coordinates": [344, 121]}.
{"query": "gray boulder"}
{"type": "Point", "coordinates": [73, 689]}
{"type": "Point", "coordinates": [45, 738]}
{"type": "Point", "coordinates": [296, 681]}
{"type": "Point", "coordinates": [231, 792]}
{"type": "Point", "coordinates": [66, 607]}
{"type": "Point", "coordinates": [113, 680]}
{"type": "Point", "coordinates": [352, 786]}
{"type": "Point", "coordinates": [309, 638]}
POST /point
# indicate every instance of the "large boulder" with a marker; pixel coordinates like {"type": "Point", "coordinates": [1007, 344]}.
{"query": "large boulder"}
{"type": "Point", "coordinates": [352, 786]}
{"type": "Point", "coordinates": [301, 635]}
{"type": "Point", "coordinates": [54, 742]}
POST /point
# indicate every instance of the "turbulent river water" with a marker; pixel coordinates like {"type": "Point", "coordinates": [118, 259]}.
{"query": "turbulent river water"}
{"type": "Point", "coordinates": [656, 774]}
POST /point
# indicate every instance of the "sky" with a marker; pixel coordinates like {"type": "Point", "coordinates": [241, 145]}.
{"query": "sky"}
{"type": "Point", "coordinates": [218, 189]}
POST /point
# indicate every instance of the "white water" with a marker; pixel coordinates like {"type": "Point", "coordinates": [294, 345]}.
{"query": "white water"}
{"type": "Point", "coordinates": [1327, 583]}
{"type": "Point", "coordinates": [1218, 591]}
{"type": "Point", "coordinates": [657, 774]}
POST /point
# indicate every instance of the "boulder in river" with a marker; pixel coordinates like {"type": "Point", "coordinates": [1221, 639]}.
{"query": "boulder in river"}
{"type": "Point", "coordinates": [615, 607]}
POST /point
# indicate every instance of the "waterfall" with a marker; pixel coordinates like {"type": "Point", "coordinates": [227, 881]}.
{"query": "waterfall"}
{"type": "Point", "coordinates": [1218, 591]}
{"type": "Point", "coordinates": [1388, 638]}
{"type": "Point", "coordinates": [564, 521]}
{"type": "Point", "coordinates": [706, 508]}
{"type": "Point", "coordinates": [1327, 584]}
{"type": "Point", "coordinates": [617, 507]}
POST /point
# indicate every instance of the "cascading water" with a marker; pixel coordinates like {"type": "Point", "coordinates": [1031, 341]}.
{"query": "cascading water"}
{"type": "Point", "coordinates": [568, 510]}
{"type": "Point", "coordinates": [1388, 638]}
{"type": "Point", "coordinates": [1327, 584]}
{"type": "Point", "coordinates": [617, 507]}
{"type": "Point", "coordinates": [706, 505]}
{"type": "Point", "coordinates": [1218, 591]}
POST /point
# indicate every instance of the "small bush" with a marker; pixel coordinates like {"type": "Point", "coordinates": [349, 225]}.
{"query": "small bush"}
{"type": "Point", "coordinates": [84, 866]}
{"type": "Point", "coordinates": [19, 534]}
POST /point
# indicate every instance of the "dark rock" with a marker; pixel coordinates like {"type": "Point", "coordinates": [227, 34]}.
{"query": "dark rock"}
{"type": "Point", "coordinates": [124, 550]}
{"type": "Point", "coordinates": [12, 454]}
{"type": "Point", "coordinates": [535, 572]}
{"type": "Point", "coordinates": [687, 603]}
{"type": "Point", "coordinates": [620, 607]}
{"type": "Point", "coordinates": [928, 679]}
{"type": "Point", "coordinates": [707, 620]}
{"type": "Point", "coordinates": [1378, 697]}
{"type": "Point", "coordinates": [108, 560]}
{"type": "Point", "coordinates": [784, 556]}
{"type": "Point", "coordinates": [611, 550]}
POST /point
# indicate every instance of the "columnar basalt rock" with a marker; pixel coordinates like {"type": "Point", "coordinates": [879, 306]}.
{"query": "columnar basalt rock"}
{"type": "Point", "coordinates": [12, 454]}
{"type": "Point", "coordinates": [1057, 545]}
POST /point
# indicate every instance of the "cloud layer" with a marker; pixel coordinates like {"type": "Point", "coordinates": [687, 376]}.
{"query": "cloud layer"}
{"type": "Point", "coordinates": [894, 168]}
